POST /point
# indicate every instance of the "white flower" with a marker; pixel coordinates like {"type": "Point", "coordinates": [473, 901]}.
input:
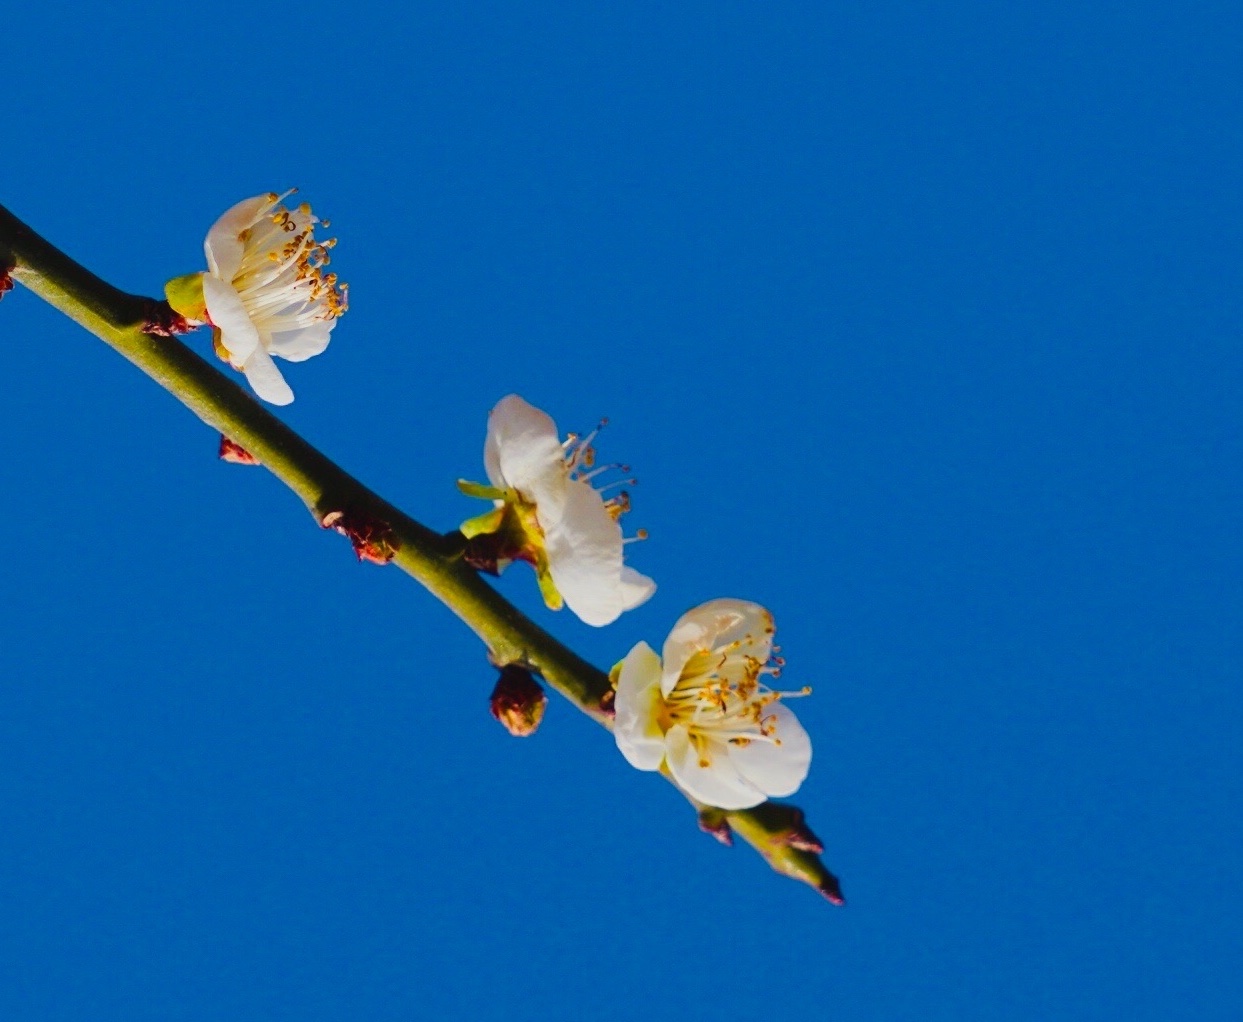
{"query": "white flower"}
{"type": "Point", "coordinates": [725, 737]}
{"type": "Point", "coordinates": [546, 511]}
{"type": "Point", "coordinates": [265, 291]}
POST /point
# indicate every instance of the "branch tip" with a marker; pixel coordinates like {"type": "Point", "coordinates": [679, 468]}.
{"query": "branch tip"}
{"type": "Point", "coordinates": [831, 890]}
{"type": "Point", "coordinates": [780, 834]}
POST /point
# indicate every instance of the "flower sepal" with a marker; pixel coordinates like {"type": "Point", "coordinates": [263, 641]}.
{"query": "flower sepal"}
{"type": "Point", "coordinates": [185, 295]}
{"type": "Point", "coordinates": [486, 524]}
{"type": "Point", "coordinates": [481, 490]}
{"type": "Point", "coordinates": [495, 539]}
{"type": "Point", "coordinates": [508, 532]}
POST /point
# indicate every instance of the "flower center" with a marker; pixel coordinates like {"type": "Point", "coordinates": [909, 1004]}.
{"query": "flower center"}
{"type": "Point", "coordinates": [720, 698]}
{"type": "Point", "coordinates": [282, 281]}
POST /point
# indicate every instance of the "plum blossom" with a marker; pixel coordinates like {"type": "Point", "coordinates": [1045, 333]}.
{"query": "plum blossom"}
{"type": "Point", "coordinates": [546, 511]}
{"type": "Point", "coordinates": [265, 292]}
{"type": "Point", "coordinates": [701, 711]}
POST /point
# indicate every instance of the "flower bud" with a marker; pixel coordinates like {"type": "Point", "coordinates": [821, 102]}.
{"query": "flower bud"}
{"type": "Point", "coordinates": [715, 822]}
{"type": "Point", "coordinates": [235, 453]}
{"type": "Point", "coordinates": [518, 701]}
{"type": "Point", "coordinates": [372, 539]}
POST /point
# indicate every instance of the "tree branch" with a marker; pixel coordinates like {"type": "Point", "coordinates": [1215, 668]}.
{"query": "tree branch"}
{"type": "Point", "coordinates": [137, 328]}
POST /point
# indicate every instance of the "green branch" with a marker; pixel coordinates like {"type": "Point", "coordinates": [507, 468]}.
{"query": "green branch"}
{"type": "Point", "coordinates": [133, 326]}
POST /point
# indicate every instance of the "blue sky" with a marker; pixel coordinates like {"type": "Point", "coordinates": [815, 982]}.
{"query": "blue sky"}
{"type": "Point", "coordinates": [920, 325]}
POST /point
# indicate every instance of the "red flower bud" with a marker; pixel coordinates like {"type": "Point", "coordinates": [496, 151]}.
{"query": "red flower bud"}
{"type": "Point", "coordinates": [373, 540]}
{"type": "Point", "coordinates": [518, 701]}
{"type": "Point", "coordinates": [235, 453]}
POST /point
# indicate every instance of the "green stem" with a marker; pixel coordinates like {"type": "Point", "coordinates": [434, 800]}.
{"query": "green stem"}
{"type": "Point", "coordinates": [435, 561]}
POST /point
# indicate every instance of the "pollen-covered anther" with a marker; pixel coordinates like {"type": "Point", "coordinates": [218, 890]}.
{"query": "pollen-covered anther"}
{"type": "Point", "coordinates": [618, 505]}
{"type": "Point", "coordinates": [267, 293]}
{"type": "Point", "coordinates": [372, 539]}
{"type": "Point", "coordinates": [235, 453]}
{"type": "Point", "coordinates": [703, 710]}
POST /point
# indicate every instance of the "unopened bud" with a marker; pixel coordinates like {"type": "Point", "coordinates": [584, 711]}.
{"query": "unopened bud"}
{"type": "Point", "coordinates": [716, 823]}
{"type": "Point", "coordinates": [372, 539]}
{"type": "Point", "coordinates": [235, 453]}
{"type": "Point", "coordinates": [518, 701]}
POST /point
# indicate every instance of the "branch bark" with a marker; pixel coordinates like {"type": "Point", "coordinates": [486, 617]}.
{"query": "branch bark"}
{"type": "Point", "coordinates": [132, 325]}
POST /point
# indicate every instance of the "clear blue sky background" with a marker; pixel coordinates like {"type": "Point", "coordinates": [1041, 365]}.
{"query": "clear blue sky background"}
{"type": "Point", "coordinates": [920, 325]}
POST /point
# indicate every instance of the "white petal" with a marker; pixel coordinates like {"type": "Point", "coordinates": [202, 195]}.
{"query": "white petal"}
{"type": "Point", "coordinates": [224, 245]}
{"type": "Point", "coordinates": [713, 624]}
{"type": "Point", "coordinates": [636, 726]}
{"type": "Point", "coordinates": [718, 784]}
{"type": "Point", "coordinates": [299, 345]}
{"type": "Point", "coordinates": [266, 379]}
{"type": "Point", "coordinates": [224, 306]}
{"type": "Point", "coordinates": [585, 556]}
{"type": "Point", "coordinates": [522, 450]}
{"type": "Point", "coordinates": [777, 770]}
{"type": "Point", "coordinates": [636, 589]}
